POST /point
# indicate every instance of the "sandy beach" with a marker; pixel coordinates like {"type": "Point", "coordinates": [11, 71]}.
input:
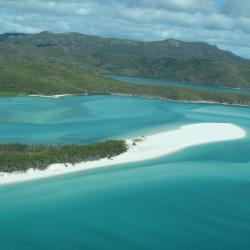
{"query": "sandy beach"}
{"type": "Point", "coordinates": [142, 148]}
{"type": "Point", "coordinates": [51, 96]}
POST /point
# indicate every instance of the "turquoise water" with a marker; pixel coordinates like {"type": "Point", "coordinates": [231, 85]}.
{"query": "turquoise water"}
{"type": "Point", "coordinates": [149, 81]}
{"type": "Point", "coordinates": [197, 198]}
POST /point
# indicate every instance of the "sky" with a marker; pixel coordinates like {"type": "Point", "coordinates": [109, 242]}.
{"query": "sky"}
{"type": "Point", "coordinates": [225, 23]}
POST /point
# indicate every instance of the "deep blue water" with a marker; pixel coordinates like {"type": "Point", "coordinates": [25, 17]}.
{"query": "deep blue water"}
{"type": "Point", "coordinates": [202, 86]}
{"type": "Point", "coordinates": [198, 198]}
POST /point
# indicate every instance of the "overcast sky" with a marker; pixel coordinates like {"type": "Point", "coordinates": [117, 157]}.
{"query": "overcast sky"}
{"type": "Point", "coordinates": [222, 22]}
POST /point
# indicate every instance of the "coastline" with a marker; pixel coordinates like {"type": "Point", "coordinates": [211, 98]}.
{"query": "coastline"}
{"type": "Point", "coordinates": [140, 149]}
{"type": "Point", "coordinates": [141, 96]}
{"type": "Point", "coordinates": [182, 101]}
{"type": "Point", "coordinates": [51, 96]}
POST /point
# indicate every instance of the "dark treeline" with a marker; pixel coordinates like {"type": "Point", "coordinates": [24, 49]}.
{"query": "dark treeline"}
{"type": "Point", "coordinates": [21, 157]}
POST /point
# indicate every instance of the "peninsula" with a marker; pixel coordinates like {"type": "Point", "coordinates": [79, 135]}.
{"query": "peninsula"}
{"type": "Point", "coordinates": [108, 154]}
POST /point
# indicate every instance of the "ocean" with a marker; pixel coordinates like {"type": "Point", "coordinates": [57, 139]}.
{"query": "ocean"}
{"type": "Point", "coordinates": [197, 198]}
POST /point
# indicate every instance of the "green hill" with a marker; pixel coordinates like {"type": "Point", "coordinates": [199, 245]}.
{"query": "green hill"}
{"type": "Point", "coordinates": [71, 63]}
{"type": "Point", "coordinates": [19, 77]}
{"type": "Point", "coordinates": [23, 78]}
{"type": "Point", "coordinates": [168, 59]}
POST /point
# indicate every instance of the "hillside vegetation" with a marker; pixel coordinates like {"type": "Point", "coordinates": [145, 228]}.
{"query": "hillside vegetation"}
{"type": "Point", "coordinates": [168, 59]}
{"type": "Point", "coordinates": [48, 64]}
{"type": "Point", "coordinates": [19, 78]}
{"type": "Point", "coordinates": [22, 78]}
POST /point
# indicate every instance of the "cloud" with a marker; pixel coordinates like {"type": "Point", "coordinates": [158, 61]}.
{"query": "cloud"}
{"type": "Point", "coordinates": [239, 8]}
{"type": "Point", "coordinates": [222, 22]}
{"type": "Point", "coordinates": [189, 6]}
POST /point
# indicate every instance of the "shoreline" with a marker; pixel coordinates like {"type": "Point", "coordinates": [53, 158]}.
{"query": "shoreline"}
{"type": "Point", "coordinates": [141, 96]}
{"type": "Point", "coordinates": [182, 101]}
{"type": "Point", "coordinates": [51, 96]}
{"type": "Point", "coordinates": [140, 149]}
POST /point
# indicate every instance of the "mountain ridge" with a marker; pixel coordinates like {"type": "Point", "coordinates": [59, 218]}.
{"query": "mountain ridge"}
{"type": "Point", "coordinates": [169, 59]}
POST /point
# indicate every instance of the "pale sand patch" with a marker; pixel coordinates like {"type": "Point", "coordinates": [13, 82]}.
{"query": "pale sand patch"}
{"type": "Point", "coordinates": [51, 96]}
{"type": "Point", "coordinates": [145, 148]}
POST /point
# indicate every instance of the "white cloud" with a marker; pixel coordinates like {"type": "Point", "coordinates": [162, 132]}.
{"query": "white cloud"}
{"type": "Point", "coordinates": [189, 20]}
{"type": "Point", "coordinates": [47, 7]}
{"type": "Point", "coordinates": [189, 6]}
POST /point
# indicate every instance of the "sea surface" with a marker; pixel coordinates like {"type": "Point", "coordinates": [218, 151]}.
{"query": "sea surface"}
{"type": "Point", "coordinates": [195, 199]}
{"type": "Point", "coordinates": [187, 85]}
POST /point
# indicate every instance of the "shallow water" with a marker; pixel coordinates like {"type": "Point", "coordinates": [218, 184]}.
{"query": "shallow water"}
{"type": "Point", "coordinates": [166, 83]}
{"type": "Point", "coordinates": [197, 198]}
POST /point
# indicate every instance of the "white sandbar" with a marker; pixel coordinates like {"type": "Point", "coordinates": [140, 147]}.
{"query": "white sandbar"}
{"type": "Point", "coordinates": [146, 148]}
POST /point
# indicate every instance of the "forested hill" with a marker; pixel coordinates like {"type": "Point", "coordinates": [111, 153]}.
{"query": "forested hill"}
{"type": "Point", "coordinates": [168, 59]}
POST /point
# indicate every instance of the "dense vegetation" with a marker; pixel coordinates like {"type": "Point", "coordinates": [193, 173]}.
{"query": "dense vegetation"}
{"type": "Point", "coordinates": [21, 157]}
{"type": "Point", "coordinates": [169, 59]}
{"type": "Point", "coordinates": [48, 64]}
{"type": "Point", "coordinates": [19, 78]}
